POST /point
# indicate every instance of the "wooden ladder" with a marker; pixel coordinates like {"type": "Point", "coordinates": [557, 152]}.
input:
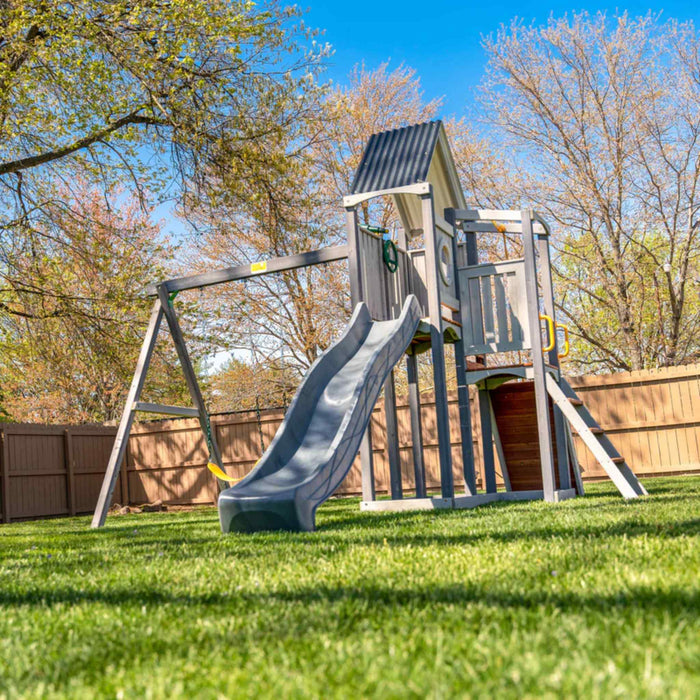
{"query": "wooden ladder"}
{"type": "Point", "coordinates": [594, 438]}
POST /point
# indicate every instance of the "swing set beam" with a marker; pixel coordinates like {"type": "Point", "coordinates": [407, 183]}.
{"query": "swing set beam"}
{"type": "Point", "coordinates": [241, 272]}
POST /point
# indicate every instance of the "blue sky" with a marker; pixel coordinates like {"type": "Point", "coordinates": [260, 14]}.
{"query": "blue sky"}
{"type": "Point", "coordinates": [442, 40]}
{"type": "Point", "coordinates": [443, 43]}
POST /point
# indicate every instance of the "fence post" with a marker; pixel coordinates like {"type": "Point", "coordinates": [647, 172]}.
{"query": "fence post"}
{"type": "Point", "coordinates": [124, 476]}
{"type": "Point", "coordinates": [68, 463]}
{"type": "Point", "coordinates": [5, 476]}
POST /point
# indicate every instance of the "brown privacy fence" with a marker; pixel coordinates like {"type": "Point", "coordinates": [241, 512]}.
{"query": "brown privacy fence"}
{"type": "Point", "coordinates": [652, 417]}
{"type": "Point", "coordinates": [52, 469]}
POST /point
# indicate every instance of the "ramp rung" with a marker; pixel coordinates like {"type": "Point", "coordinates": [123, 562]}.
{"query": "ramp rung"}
{"type": "Point", "coordinates": [596, 430]}
{"type": "Point", "coordinates": [166, 410]}
{"type": "Point", "coordinates": [618, 460]}
{"type": "Point", "coordinates": [575, 402]}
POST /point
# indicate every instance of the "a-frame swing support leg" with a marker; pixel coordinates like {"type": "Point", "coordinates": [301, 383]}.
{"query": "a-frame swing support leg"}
{"type": "Point", "coordinates": [188, 370]}
{"type": "Point", "coordinates": [122, 438]}
{"type": "Point", "coordinates": [161, 307]}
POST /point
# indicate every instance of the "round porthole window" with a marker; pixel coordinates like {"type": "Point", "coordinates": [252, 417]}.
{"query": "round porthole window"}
{"type": "Point", "coordinates": [445, 260]}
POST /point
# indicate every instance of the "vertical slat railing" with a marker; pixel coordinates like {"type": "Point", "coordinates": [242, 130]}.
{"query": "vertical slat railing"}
{"type": "Point", "coordinates": [501, 310]}
{"type": "Point", "coordinates": [487, 309]}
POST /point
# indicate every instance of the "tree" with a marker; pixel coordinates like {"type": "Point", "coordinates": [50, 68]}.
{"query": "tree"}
{"type": "Point", "coordinates": [141, 92]}
{"type": "Point", "coordinates": [247, 386]}
{"type": "Point", "coordinates": [489, 182]}
{"type": "Point", "coordinates": [71, 334]}
{"type": "Point", "coordinates": [602, 114]}
{"type": "Point", "coordinates": [292, 317]}
{"type": "Point", "coordinates": [373, 101]}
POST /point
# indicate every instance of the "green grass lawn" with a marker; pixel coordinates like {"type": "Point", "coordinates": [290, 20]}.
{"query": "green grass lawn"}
{"type": "Point", "coordinates": [594, 597]}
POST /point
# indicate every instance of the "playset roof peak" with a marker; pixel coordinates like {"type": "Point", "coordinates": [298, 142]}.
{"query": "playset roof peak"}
{"type": "Point", "coordinates": [405, 156]}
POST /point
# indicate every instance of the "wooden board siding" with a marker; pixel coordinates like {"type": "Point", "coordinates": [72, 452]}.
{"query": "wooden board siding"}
{"type": "Point", "coordinates": [514, 408]}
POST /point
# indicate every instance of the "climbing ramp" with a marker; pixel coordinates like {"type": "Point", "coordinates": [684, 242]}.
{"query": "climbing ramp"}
{"type": "Point", "coordinates": [594, 438]}
{"type": "Point", "coordinates": [515, 418]}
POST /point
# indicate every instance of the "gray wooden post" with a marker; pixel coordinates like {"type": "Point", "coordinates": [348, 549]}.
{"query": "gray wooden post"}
{"type": "Point", "coordinates": [553, 357]}
{"type": "Point", "coordinates": [416, 425]}
{"type": "Point", "coordinates": [487, 441]}
{"type": "Point", "coordinates": [473, 259]}
{"type": "Point", "coordinates": [392, 426]}
{"type": "Point", "coordinates": [188, 371]}
{"type": "Point", "coordinates": [356, 296]}
{"type": "Point", "coordinates": [122, 436]}
{"type": "Point", "coordinates": [465, 416]}
{"type": "Point", "coordinates": [392, 438]}
{"type": "Point", "coordinates": [369, 492]}
{"type": "Point", "coordinates": [544, 430]}
{"type": "Point", "coordinates": [414, 396]}
{"type": "Point", "coordinates": [354, 257]}
{"type": "Point", "coordinates": [437, 346]}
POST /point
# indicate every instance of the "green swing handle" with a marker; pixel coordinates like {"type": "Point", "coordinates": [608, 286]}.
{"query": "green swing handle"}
{"type": "Point", "coordinates": [390, 255]}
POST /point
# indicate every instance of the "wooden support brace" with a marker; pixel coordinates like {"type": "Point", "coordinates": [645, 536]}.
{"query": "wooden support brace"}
{"type": "Point", "coordinates": [188, 370]}
{"type": "Point", "coordinates": [499, 447]}
{"type": "Point", "coordinates": [122, 436]}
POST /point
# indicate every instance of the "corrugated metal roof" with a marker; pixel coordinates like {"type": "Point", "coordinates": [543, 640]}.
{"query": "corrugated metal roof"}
{"type": "Point", "coordinates": [396, 158]}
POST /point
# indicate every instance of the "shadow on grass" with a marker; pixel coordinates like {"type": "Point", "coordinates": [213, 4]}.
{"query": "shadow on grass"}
{"type": "Point", "coordinates": [314, 613]}
{"type": "Point", "coordinates": [597, 503]}
{"type": "Point", "coordinates": [674, 529]}
{"type": "Point", "coordinates": [371, 596]}
{"type": "Point", "coordinates": [259, 552]}
{"type": "Point", "coordinates": [141, 544]}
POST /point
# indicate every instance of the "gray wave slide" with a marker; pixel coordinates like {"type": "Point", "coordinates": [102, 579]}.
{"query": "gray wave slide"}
{"type": "Point", "coordinates": [316, 443]}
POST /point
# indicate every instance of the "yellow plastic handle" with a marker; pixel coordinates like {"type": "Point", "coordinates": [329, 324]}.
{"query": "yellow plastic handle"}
{"type": "Point", "coordinates": [219, 473]}
{"type": "Point", "coordinates": [550, 331]}
{"type": "Point", "coordinates": [567, 345]}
